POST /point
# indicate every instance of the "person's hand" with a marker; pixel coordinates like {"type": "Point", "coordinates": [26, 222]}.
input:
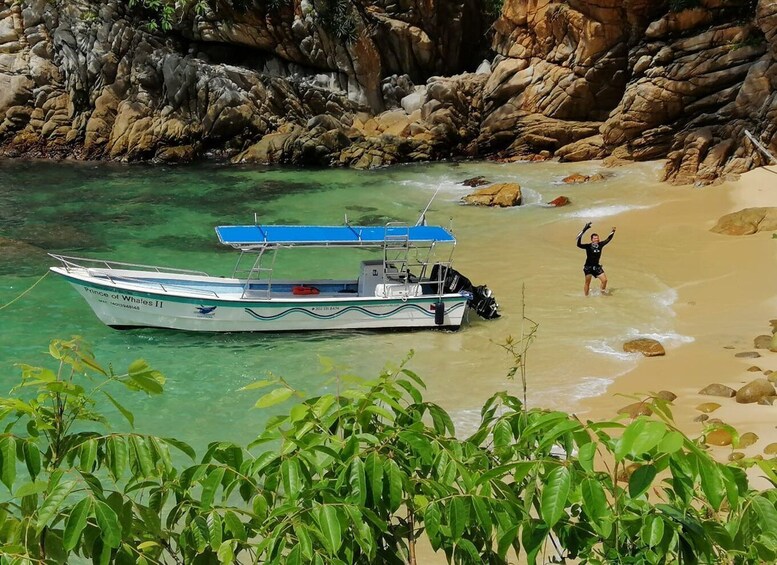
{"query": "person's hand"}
{"type": "Point", "coordinates": [613, 229]}
{"type": "Point", "coordinates": [587, 226]}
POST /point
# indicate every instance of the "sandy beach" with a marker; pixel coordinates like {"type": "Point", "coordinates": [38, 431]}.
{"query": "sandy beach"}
{"type": "Point", "coordinates": [726, 295]}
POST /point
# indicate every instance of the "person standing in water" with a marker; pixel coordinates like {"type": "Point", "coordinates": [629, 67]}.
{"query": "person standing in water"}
{"type": "Point", "coordinates": [593, 253]}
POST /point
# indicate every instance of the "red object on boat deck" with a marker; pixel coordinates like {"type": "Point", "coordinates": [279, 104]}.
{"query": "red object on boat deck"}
{"type": "Point", "coordinates": [302, 290]}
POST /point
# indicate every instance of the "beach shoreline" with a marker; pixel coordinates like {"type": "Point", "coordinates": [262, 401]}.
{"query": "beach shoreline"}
{"type": "Point", "coordinates": [723, 303]}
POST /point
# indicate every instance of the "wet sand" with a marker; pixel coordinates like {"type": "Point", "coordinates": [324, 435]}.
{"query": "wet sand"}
{"type": "Point", "coordinates": [727, 293]}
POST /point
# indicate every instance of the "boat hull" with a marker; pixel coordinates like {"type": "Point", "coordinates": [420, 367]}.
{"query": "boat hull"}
{"type": "Point", "coordinates": [131, 306]}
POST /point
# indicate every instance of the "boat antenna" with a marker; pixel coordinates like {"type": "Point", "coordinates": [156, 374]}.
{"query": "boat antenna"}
{"type": "Point", "coordinates": [422, 218]}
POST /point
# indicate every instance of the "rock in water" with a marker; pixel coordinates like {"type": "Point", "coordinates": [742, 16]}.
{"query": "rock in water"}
{"type": "Point", "coordinates": [718, 437]}
{"type": "Point", "coordinates": [576, 178]}
{"type": "Point", "coordinates": [502, 195]}
{"type": "Point", "coordinates": [559, 201]}
{"type": "Point", "coordinates": [648, 347]}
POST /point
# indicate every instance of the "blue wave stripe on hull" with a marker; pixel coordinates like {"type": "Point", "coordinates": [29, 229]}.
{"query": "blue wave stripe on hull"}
{"type": "Point", "coordinates": [345, 310]}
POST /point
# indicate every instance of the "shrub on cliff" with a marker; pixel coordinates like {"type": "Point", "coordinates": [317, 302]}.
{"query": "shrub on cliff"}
{"type": "Point", "coordinates": [359, 477]}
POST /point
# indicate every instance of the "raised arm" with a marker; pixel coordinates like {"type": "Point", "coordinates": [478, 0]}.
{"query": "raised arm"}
{"type": "Point", "coordinates": [609, 238]}
{"type": "Point", "coordinates": [580, 235]}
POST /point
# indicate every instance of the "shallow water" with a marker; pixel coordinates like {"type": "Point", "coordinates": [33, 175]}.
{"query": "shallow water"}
{"type": "Point", "coordinates": [166, 216]}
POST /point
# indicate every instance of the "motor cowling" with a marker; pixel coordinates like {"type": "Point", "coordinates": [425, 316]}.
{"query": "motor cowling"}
{"type": "Point", "coordinates": [482, 300]}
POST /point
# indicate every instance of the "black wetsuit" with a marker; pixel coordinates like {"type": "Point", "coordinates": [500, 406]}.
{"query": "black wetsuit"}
{"type": "Point", "coordinates": [593, 252]}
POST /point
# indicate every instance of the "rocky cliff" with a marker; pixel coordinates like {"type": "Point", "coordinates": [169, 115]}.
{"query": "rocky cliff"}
{"type": "Point", "coordinates": [366, 83]}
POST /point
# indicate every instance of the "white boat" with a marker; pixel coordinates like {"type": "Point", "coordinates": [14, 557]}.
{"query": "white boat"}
{"type": "Point", "coordinates": [407, 287]}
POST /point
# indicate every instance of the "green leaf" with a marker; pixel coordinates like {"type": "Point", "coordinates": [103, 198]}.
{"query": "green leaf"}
{"type": "Point", "coordinates": [458, 516]}
{"type": "Point", "coordinates": [226, 553]}
{"type": "Point", "coordinates": [209, 487]}
{"type": "Point", "coordinates": [767, 513]}
{"type": "Point", "coordinates": [554, 495]}
{"type": "Point", "coordinates": [466, 547]}
{"type": "Point", "coordinates": [124, 412]}
{"type": "Point", "coordinates": [8, 461]}
{"type": "Point", "coordinates": [76, 522]}
{"type": "Point", "coordinates": [118, 456]}
{"type": "Point", "coordinates": [641, 479]}
{"type": "Point", "coordinates": [274, 397]}
{"type": "Point", "coordinates": [672, 442]}
{"type": "Point", "coordinates": [374, 468]}
{"type": "Point", "coordinates": [110, 530]}
{"type": "Point", "coordinates": [594, 499]}
{"type": "Point", "coordinates": [640, 437]}
{"type": "Point", "coordinates": [142, 456]}
{"type": "Point", "coordinates": [432, 518]}
{"type": "Point", "coordinates": [87, 454]}
{"type": "Point", "coordinates": [358, 482]}
{"type": "Point", "coordinates": [652, 531]}
{"type": "Point", "coordinates": [711, 481]}
{"type": "Point", "coordinates": [326, 517]}
{"type": "Point", "coordinates": [506, 540]}
{"type": "Point", "coordinates": [52, 502]}
{"type": "Point", "coordinates": [234, 526]}
{"type": "Point", "coordinates": [215, 528]}
{"type": "Point", "coordinates": [259, 384]}
{"type": "Point", "coordinates": [585, 456]}
{"type": "Point", "coordinates": [28, 489]}
{"type": "Point", "coordinates": [32, 459]}
{"type": "Point", "coordinates": [290, 478]}
{"type": "Point", "coordinates": [180, 446]}
{"type": "Point", "coordinates": [394, 475]}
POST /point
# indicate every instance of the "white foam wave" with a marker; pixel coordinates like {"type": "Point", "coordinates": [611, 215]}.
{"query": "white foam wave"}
{"type": "Point", "coordinates": [606, 211]}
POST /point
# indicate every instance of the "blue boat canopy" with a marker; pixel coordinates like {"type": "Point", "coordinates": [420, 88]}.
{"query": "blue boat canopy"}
{"type": "Point", "coordinates": [260, 236]}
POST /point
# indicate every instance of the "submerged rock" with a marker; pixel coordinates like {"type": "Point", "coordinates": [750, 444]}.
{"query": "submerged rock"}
{"type": "Point", "coordinates": [747, 439]}
{"type": "Point", "coordinates": [718, 437]}
{"type": "Point", "coordinates": [559, 201]}
{"type": "Point", "coordinates": [636, 409]}
{"type": "Point", "coordinates": [648, 347]}
{"type": "Point", "coordinates": [708, 407]}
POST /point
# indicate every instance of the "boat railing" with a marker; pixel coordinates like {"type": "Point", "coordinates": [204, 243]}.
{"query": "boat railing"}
{"type": "Point", "coordinates": [164, 287]}
{"type": "Point", "coordinates": [87, 263]}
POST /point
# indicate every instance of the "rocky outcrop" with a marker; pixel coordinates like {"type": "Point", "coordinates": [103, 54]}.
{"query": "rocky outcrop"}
{"type": "Point", "coordinates": [365, 83]}
{"type": "Point", "coordinates": [500, 195]}
{"type": "Point", "coordinates": [747, 221]}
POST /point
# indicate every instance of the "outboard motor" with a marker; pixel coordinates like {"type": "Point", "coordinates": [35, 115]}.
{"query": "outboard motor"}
{"type": "Point", "coordinates": [482, 299]}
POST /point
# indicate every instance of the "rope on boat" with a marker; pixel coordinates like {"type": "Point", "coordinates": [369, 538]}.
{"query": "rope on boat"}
{"type": "Point", "coordinates": [26, 291]}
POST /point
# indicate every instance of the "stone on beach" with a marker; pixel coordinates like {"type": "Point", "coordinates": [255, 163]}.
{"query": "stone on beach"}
{"type": "Point", "coordinates": [648, 347]}
{"type": "Point", "coordinates": [718, 437]}
{"type": "Point", "coordinates": [747, 439]}
{"type": "Point", "coordinates": [716, 389]}
{"type": "Point", "coordinates": [747, 221]}
{"type": "Point", "coordinates": [708, 407]}
{"type": "Point", "coordinates": [771, 449]}
{"type": "Point", "coordinates": [636, 409]}
{"type": "Point", "coordinates": [667, 395]}
{"type": "Point", "coordinates": [755, 391]}
{"type": "Point", "coordinates": [502, 195]}
{"type": "Point", "coordinates": [747, 354]}
{"type": "Point", "coordinates": [763, 341]}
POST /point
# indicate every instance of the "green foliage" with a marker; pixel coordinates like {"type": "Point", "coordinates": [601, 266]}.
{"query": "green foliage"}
{"type": "Point", "coordinates": [493, 8]}
{"type": "Point", "coordinates": [337, 17]}
{"type": "Point", "coordinates": [359, 476]}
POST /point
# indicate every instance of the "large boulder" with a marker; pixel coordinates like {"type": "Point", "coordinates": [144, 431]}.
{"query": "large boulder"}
{"type": "Point", "coordinates": [501, 195]}
{"type": "Point", "coordinates": [755, 391]}
{"type": "Point", "coordinates": [747, 221]}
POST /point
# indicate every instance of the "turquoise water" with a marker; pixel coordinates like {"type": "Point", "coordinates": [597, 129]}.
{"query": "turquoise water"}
{"type": "Point", "coordinates": [165, 216]}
